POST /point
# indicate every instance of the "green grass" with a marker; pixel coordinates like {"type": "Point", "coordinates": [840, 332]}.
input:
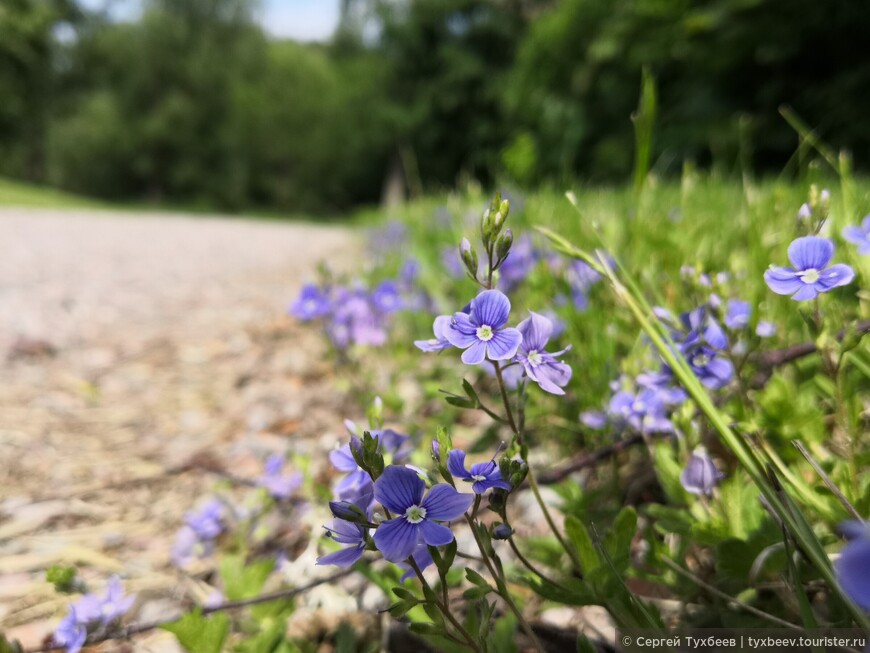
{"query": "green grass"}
{"type": "Point", "coordinates": [17, 193]}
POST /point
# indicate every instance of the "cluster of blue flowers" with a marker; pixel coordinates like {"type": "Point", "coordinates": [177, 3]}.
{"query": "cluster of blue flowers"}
{"type": "Point", "coordinates": [483, 333]}
{"type": "Point", "coordinates": [92, 613]}
{"type": "Point", "coordinates": [410, 518]}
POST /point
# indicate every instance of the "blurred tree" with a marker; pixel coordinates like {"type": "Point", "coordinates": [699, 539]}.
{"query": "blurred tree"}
{"type": "Point", "coordinates": [449, 59]}
{"type": "Point", "coordinates": [27, 39]}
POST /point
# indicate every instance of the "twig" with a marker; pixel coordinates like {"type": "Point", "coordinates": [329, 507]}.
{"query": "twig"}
{"type": "Point", "coordinates": [768, 361]}
{"type": "Point", "coordinates": [588, 460]}
{"type": "Point", "coordinates": [135, 629]}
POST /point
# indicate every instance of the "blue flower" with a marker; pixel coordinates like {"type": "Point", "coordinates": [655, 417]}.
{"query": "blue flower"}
{"type": "Point", "coordinates": [279, 485]}
{"type": "Point", "coordinates": [439, 342]}
{"type": "Point", "coordinates": [208, 522]}
{"type": "Point", "coordinates": [71, 632]}
{"type": "Point", "coordinates": [386, 297]}
{"type": "Point", "coordinates": [483, 475]}
{"type": "Point", "coordinates": [518, 264]}
{"type": "Point", "coordinates": [859, 236]}
{"type": "Point", "coordinates": [645, 412]}
{"type": "Point", "coordinates": [311, 304]}
{"type": "Point", "coordinates": [400, 490]}
{"type": "Point", "coordinates": [810, 275]}
{"type": "Point", "coordinates": [541, 367]}
{"type": "Point", "coordinates": [853, 565]}
{"type": "Point", "coordinates": [765, 329]}
{"type": "Point", "coordinates": [700, 475]}
{"type": "Point", "coordinates": [345, 532]}
{"type": "Point", "coordinates": [482, 333]}
{"type": "Point", "coordinates": [89, 611]}
{"type": "Point", "coordinates": [737, 315]}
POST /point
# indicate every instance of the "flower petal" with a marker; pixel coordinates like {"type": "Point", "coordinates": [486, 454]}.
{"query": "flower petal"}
{"type": "Point", "coordinates": [504, 344]}
{"type": "Point", "coordinates": [807, 291]}
{"type": "Point", "coordinates": [343, 558]}
{"type": "Point", "coordinates": [810, 252]}
{"type": "Point", "coordinates": [475, 354]}
{"type": "Point", "coordinates": [854, 234]}
{"type": "Point", "coordinates": [445, 504]}
{"type": "Point", "coordinates": [461, 332]}
{"type": "Point", "coordinates": [342, 459]}
{"type": "Point", "coordinates": [536, 331]}
{"type": "Point", "coordinates": [435, 534]}
{"type": "Point", "coordinates": [456, 464]}
{"type": "Point", "coordinates": [852, 566]}
{"type": "Point", "coordinates": [836, 275]}
{"type": "Point", "coordinates": [491, 307]}
{"type": "Point", "coordinates": [782, 281]}
{"type": "Point", "coordinates": [398, 488]}
{"type": "Point", "coordinates": [397, 538]}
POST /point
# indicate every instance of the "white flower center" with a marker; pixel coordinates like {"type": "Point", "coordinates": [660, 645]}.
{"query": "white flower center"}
{"type": "Point", "coordinates": [534, 358]}
{"type": "Point", "coordinates": [478, 477]}
{"type": "Point", "coordinates": [701, 360]}
{"type": "Point", "coordinates": [484, 333]}
{"type": "Point", "coordinates": [415, 514]}
{"type": "Point", "coordinates": [809, 276]}
{"type": "Point", "coordinates": [638, 407]}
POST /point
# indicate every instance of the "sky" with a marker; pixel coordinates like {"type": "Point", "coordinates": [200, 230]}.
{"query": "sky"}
{"type": "Point", "coordinates": [303, 20]}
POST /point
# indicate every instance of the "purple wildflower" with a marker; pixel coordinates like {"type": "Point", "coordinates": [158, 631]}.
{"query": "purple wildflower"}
{"type": "Point", "coordinates": [483, 475]}
{"type": "Point", "coordinates": [386, 297]}
{"type": "Point", "coordinates": [311, 304]}
{"type": "Point", "coordinates": [482, 333]}
{"type": "Point", "coordinates": [342, 459]}
{"type": "Point", "coordinates": [644, 412]}
{"type": "Point", "coordinates": [859, 236]}
{"type": "Point", "coordinates": [439, 342]}
{"type": "Point", "coordinates": [853, 565]}
{"type": "Point", "coordinates": [208, 522]}
{"type": "Point", "coordinates": [700, 475]}
{"type": "Point", "coordinates": [345, 532]}
{"type": "Point", "coordinates": [810, 275]}
{"type": "Point", "coordinates": [519, 263]}
{"type": "Point", "coordinates": [765, 329]}
{"type": "Point", "coordinates": [541, 367]}
{"type": "Point", "coordinates": [279, 485]}
{"type": "Point", "coordinates": [594, 419]}
{"type": "Point", "coordinates": [400, 491]}
{"type": "Point", "coordinates": [738, 314]}
{"type": "Point", "coordinates": [422, 558]}
{"type": "Point", "coordinates": [452, 262]}
{"type": "Point", "coordinates": [71, 632]}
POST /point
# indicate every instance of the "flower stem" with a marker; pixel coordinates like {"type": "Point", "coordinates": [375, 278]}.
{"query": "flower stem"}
{"type": "Point", "coordinates": [502, 588]}
{"type": "Point", "coordinates": [445, 609]}
{"type": "Point", "coordinates": [533, 483]}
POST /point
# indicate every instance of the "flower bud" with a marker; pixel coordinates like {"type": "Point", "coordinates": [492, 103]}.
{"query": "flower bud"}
{"type": "Point", "coordinates": [348, 511]}
{"type": "Point", "coordinates": [503, 246]}
{"type": "Point", "coordinates": [805, 214]}
{"type": "Point", "coordinates": [502, 532]}
{"type": "Point", "coordinates": [469, 257]}
{"type": "Point", "coordinates": [700, 475]}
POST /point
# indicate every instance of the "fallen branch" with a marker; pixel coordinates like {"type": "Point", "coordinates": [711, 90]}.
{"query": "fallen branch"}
{"type": "Point", "coordinates": [766, 362]}
{"type": "Point", "coordinates": [135, 629]}
{"type": "Point", "coordinates": [557, 474]}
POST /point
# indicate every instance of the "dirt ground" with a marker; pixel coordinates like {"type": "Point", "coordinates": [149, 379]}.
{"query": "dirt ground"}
{"type": "Point", "coordinates": [131, 347]}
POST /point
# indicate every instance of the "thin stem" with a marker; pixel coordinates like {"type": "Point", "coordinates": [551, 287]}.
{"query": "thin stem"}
{"type": "Point", "coordinates": [725, 597]}
{"type": "Point", "coordinates": [444, 608]}
{"type": "Point", "coordinates": [528, 564]}
{"type": "Point", "coordinates": [502, 588]}
{"type": "Point", "coordinates": [518, 434]}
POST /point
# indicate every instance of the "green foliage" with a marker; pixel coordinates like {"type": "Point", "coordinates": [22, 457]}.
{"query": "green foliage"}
{"type": "Point", "coordinates": [241, 580]}
{"type": "Point", "coordinates": [200, 634]}
{"type": "Point", "coordinates": [63, 578]}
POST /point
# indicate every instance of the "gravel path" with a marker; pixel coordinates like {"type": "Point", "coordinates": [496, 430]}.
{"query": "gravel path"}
{"type": "Point", "coordinates": [133, 348]}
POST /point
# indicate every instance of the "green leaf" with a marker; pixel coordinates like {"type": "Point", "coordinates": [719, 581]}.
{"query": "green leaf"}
{"type": "Point", "coordinates": [618, 540]}
{"type": "Point", "coordinates": [584, 645]}
{"type": "Point", "coordinates": [578, 536]}
{"type": "Point", "coordinates": [426, 629]}
{"type": "Point", "coordinates": [243, 581]}
{"type": "Point", "coordinates": [198, 634]}
{"type": "Point", "coordinates": [345, 639]}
